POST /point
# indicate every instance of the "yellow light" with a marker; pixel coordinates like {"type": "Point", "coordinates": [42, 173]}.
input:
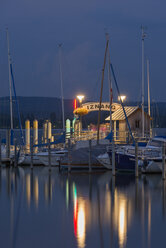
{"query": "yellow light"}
{"type": "Point", "coordinates": [122, 98]}
{"type": "Point", "coordinates": [122, 223]}
{"type": "Point", "coordinates": [36, 191]}
{"type": "Point", "coordinates": [80, 98]}
{"type": "Point", "coordinates": [28, 189]}
{"type": "Point", "coordinates": [81, 226]}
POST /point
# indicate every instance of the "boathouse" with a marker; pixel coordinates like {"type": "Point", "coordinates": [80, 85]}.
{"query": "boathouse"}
{"type": "Point", "coordinates": [134, 115]}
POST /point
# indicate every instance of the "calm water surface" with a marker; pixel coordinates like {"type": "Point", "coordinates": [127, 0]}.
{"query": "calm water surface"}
{"type": "Point", "coordinates": [50, 209]}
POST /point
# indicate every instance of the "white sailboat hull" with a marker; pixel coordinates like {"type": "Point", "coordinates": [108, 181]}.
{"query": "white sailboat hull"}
{"type": "Point", "coordinates": [105, 160]}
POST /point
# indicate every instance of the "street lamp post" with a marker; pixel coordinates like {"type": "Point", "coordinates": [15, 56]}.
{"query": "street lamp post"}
{"type": "Point", "coordinates": [80, 98]}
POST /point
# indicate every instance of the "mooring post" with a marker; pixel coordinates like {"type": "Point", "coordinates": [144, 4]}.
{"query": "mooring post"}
{"type": "Point", "coordinates": [31, 146]}
{"type": "Point", "coordinates": [69, 156]}
{"type": "Point", "coordinates": [90, 155]}
{"type": "Point", "coordinates": [163, 161]}
{"type": "Point", "coordinates": [0, 152]}
{"type": "Point", "coordinates": [113, 158]}
{"type": "Point", "coordinates": [136, 159]}
{"type": "Point", "coordinates": [49, 155]}
{"type": "Point", "coordinates": [59, 165]}
{"type": "Point", "coordinates": [15, 153]}
{"type": "Point", "coordinates": [8, 143]}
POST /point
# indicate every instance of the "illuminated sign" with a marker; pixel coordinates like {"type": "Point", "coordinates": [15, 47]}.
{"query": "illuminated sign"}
{"type": "Point", "coordinates": [105, 106]}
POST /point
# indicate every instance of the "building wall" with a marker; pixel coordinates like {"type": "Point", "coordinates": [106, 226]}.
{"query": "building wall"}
{"type": "Point", "coordinates": [135, 121]}
{"type": "Point", "coordinates": [122, 130]}
{"type": "Point", "coordinates": [137, 117]}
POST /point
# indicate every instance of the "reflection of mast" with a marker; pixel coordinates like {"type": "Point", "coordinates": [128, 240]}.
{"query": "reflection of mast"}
{"type": "Point", "coordinates": [28, 189]}
{"type": "Point", "coordinates": [112, 208]}
{"type": "Point", "coordinates": [136, 193]}
{"type": "Point", "coordinates": [149, 221]}
{"type": "Point", "coordinates": [99, 218]}
{"type": "Point", "coordinates": [163, 198]}
{"type": "Point", "coordinates": [90, 187]}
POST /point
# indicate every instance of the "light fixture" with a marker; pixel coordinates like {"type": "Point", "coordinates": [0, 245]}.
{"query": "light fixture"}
{"type": "Point", "coordinates": [122, 98]}
{"type": "Point", "coordinates": [80, 98]}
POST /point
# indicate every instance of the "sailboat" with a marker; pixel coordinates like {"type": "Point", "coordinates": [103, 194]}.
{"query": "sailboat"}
{"type": "Point", "coordinates": [7, 153]}
{"type": "Point", "coordinates": [43, 156]}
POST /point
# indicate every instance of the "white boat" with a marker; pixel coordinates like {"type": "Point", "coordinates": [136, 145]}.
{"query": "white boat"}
{"type": "Point", "coordinates": [153, 164]}
{"type": "Point", "coordinates": [55, 157]}
{"type": "Point", "coordinates": [26, 159]}
{"type": "Point", "coordinates": [105, 160]}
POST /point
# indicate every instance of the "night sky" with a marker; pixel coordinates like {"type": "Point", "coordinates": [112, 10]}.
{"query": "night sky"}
{"type": "Point", "coordinates": [37, 27]}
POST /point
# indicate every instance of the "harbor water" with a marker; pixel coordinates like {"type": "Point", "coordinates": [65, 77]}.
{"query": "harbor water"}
{"type": "Point", "coordinates": [42, 208]}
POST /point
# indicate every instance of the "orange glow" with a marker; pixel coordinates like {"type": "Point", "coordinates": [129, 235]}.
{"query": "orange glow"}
{"type": "Point", "coordinates": [79, 219]}
{"type": "Point", "coordinates": [75, 103]}
{"type": "Point", "coordinates": [28, 189]}
{"type": "Point", "coordinates": [80, 111]}
{"type": "Point", "coordinates": [81, 226]}
{"type": "Point", "coordinates": [122, 223]}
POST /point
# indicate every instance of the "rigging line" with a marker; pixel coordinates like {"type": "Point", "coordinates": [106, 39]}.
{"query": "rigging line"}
{"type": "Point", "coordinates": [18, 211]}
{"type": "Point", "coordinates": [116, 84]}
{"type": "Point", "coordinates": [17, 105]}
{"type": "Point", "coordinates": [95, 86]}
{"type": "Point", "coordinates": [101, 91]}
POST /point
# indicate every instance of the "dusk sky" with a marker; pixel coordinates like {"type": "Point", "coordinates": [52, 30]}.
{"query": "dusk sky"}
{"type": "Point", "coordinates": [37, 27]}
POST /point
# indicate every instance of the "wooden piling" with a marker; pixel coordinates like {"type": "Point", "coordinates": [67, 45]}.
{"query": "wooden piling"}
{"type": "Point", "coordinates": [163, 162]}
{"type": "Point", "coordinates": [31, 148]}
{"type": "Point", "coordinates": [49, 155]}
{"type": "Point", "coordinates": [8, 143]}
{"type": "Point", "coordinates": [90, 155]}
{"type": "Point", "coordinates": [113, 158]}
{"type": "Point", "coordinates": [136, 159]}
{"type": "Point", "coordinates": [69, 156]}
{"type": "Point", "coordinates": [15, 153]}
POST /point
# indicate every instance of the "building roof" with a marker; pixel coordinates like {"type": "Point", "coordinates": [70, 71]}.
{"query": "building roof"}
{"type": "Point", "coordinates": [118, 115]}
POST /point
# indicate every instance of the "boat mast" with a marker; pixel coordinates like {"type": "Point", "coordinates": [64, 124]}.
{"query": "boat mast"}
{"type": "Point", "coordinates": [109, 83]}
{"type": "Point", "coordinates": [143, 87]}
{"type": "Point", "coordinates": [10, 83]}
{"type": "Point", "coordinates": [101, 92]}
{"type": "Point", "coordinates": [61, 79]}
{"type": "Point", "coordinates": [149, 97]}
{"type": "Point", "coordinates": [148, 87]}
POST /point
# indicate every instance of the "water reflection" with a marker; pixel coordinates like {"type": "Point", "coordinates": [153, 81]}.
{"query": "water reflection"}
{"type": "Point", "coordinates": [79, 218]}
{"type": "Point", "coordinates": [95, 210]}
{"type": "Point", "coordinates": [122, 228]}
{"type": "Point", "coordinates": [32, 189]}
{"type": "Point", "coordinates": [81, 225]}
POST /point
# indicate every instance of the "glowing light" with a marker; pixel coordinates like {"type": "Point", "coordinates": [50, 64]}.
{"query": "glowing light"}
{"type": "Point", "coordinates": [122, 224]}
{"type": "Point", "coordinates": [36, 191]}
{"type": "Point", "coordinates": [80, 98]}
{"type": "Point", "coordinates": [122, 98]}
{"type": "Point", "coordinates": [79, 218]}
{"type": "Point", "coordinates": [28, 189]}
{"type": "Point", "coordinates": [81, 226]}
{"type": "Point", "coordinates": [75, 208]}
{"type": "Point", "coordinates": [75, 103]}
